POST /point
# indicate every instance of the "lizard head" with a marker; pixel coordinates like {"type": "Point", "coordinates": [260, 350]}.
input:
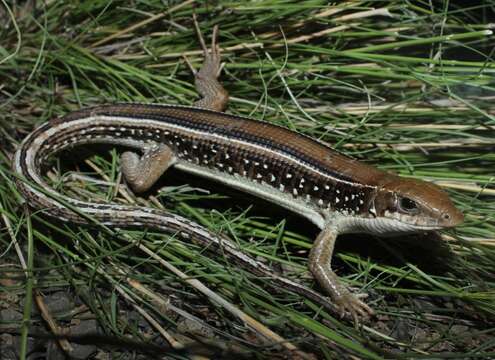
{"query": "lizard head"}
{"type": "Point", "coordinates": [409, 205]}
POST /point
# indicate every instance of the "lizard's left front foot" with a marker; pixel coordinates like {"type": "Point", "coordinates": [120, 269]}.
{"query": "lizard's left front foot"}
{"type": "Point", "coordinates": [348, 303]}
{"type": "Point", "coordinates": [319, 264]}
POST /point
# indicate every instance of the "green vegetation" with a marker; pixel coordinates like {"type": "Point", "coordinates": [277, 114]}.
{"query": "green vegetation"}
{"type": "Point", "coordinates": [404, 85]}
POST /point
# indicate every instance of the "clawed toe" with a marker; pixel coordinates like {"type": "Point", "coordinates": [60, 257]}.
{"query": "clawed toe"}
{"type": "Point", "coordinates": [350, 305]}
{"type": "Point", "coordinates": [214, 96]}
{"type": "Point", "coordinates": [212, 61]}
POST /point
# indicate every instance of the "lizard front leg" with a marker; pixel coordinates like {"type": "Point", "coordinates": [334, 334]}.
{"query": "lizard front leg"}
{"type": "Point", "coordinates": [320, 259]}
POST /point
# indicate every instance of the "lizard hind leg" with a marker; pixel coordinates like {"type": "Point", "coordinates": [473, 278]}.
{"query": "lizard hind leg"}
{"type": "Point", "coordinates": [214, 96]}
{"type": "Point", "coordinates": [141, 172]}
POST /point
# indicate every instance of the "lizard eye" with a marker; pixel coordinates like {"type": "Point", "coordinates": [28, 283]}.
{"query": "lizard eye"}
{"type": "Point", "coordinates": [408, 205]}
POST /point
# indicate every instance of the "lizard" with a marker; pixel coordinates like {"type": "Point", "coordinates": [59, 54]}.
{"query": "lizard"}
{"type": "Point", "coordinates": [338, 194]}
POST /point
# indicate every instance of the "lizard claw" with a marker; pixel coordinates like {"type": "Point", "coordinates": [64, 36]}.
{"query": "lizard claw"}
{"type": "Point", "coordinates": [215, 97]}
{"type": "Point", "coordinates": [350, 304]}
{"type": "Point", "coordinates": [212, 59]}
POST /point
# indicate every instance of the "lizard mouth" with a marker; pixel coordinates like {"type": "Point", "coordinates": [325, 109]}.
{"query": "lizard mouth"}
{"type": "Point", "coordinates": [445, 221]}
{"type": "Point", "coordinates": [428, 227]}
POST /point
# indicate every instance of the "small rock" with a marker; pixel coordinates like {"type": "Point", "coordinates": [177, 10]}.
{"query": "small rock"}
{"type": "Point", "coordinates": [10, 316]}
{"type": "Point", "coordinates": [82, 352]}
{"type": "Point", "coordinates": [136, 318]}
{"type": "Point", "coordinates": [53, 351]}
{"type": "Point", "coordinates": [194, 327]}
{"type": "Point", "coordinates": [424, 305]}
{"type": "Point", "coordinates": [6, 347]}
{"type": "Point", "coordinates": [59, 305]}
{"type": "Point", "coordinates": [401, 330]}
{"type": "Point", "coordinates": [463, 336]}
{"type": "Point", "coordinates": [458, 329]}
{"type": "Point", "coordinates": [85, 327]}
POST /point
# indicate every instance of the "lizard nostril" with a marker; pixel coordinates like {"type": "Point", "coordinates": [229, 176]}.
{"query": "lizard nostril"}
{"type": "Point", "coordinates": [446, 216]}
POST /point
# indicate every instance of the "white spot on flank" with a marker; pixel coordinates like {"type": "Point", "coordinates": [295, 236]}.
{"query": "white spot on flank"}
{"type": "Point", "coordinates": [288, 176]}
{"type": "Point", "coordinates": [361, 202]}
{"type": "Point", "coordinates": [346, 198]}
{"type": "Point", "coordinates": [230, 169]}
{"type": "Point", "coordinates": [282, 187]}
{"type": "Point", "coordinates": [337, 191]}
{"type": "Point", "coordinates": [294, 191]}
{"type": "Point", "coordinates": [265, 166]}
{"type": "Point", "coordinates": [227, 156]}
{"type": "Point", "coordinates": [272, 178]}
{"type": "Point", "coordinates": [316, 188]}
{"type": "Point", "coordinates": [246, 161]}
{"type": "Point", "coordinates": [337, 200]}
{"type": "Point", "coordinates": [327, 187]}
{"type": "Point", "coordinates": [320, 202]}
{"type": "Point", "coordinates": [259, 176]}
{"type": "Point", "coordinates": [353, 196]}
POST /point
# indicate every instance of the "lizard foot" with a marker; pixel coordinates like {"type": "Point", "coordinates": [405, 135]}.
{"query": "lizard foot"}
{"type": "Point", "coordinates": [215, 97]}
{"type": "Point", "coordinates": [350, 304]}
{"type": "Point", "coordinates": [212, 66]}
